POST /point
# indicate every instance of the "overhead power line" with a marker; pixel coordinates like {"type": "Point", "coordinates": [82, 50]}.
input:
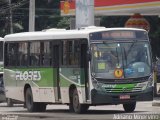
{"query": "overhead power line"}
{"type": "Point", "coordinates": [4, 9]}
{"type": "Point", "coordinates": [40, 9]}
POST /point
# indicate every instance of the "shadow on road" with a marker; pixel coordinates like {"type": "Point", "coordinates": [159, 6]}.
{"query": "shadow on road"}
{"type": "Point", "coordinates": [91, 112]}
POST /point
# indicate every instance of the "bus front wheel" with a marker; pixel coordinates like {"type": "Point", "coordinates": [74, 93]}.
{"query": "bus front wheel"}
{"type": "Point", "coordinates": [129, 107]}
{"type": "Point", "coordinates": [31, 105]}
{"type": "Point", "coordinates": [77, 107]}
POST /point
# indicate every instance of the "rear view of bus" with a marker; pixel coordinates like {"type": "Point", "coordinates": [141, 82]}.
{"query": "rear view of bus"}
{"type": "Point", "coordinates": [121, 68]}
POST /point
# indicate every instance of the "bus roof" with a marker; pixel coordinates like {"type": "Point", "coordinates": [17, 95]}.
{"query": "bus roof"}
{"type": "Point", "coordinates": [60, 34]}
{"type": "Point", "coordinates": [1, 39]}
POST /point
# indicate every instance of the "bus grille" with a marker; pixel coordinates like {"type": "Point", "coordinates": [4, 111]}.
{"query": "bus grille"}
{"type": "Point", "coordinates": [123, 90]}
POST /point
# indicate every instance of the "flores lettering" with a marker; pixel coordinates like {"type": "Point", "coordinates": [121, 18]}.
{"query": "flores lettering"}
{"type": "Point", "coordinates": [28, 75]}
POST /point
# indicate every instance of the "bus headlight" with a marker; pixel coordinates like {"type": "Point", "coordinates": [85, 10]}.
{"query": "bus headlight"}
{"type": "Point", "coordinates": [150, 81]}
{"type": "Point", "coordinates": [94, 82]}
{"type": "Point", "coordinates": [97, 85]}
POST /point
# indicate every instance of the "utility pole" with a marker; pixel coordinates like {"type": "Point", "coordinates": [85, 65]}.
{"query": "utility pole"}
{"type": "Point", "coordinates": [32, 15]}
{"type": "Point", "coordinates": [10, 16]}
{"type": "Point", "coordinates": [84, 13]}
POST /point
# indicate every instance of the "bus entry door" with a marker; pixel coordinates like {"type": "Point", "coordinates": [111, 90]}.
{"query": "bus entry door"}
{"type": "Point", "coordinates": [84, 66]}
{"type": "Point", "coordinates": [56, 78]}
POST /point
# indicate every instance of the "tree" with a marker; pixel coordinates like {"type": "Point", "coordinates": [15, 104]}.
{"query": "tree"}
{"type": "Point", "coordinates": [64, 23]}
{"type": "Point", "coordinates": [47, 15]}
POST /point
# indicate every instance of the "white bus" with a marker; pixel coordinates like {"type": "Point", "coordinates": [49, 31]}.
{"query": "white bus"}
{"type": "Point", "coordinates": [80, 68]}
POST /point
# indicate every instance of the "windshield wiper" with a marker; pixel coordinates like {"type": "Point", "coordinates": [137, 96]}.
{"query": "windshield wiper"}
{"type": "Point", "coordinates": [130, 48]}
{"type": "Point", "coordinates": [117, 56]}
{"type": "Point", "coordinates": [125, 55]}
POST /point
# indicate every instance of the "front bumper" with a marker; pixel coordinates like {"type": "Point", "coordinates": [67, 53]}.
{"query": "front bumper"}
{"type": "Point", "coordinates": [114, 98]}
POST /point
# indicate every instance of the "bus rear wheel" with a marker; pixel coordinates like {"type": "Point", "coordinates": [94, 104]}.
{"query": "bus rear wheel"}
{"type": "Point", "coordinates": [31, 105]}
{"type": "Point", "coordinates": [129, 107]}
{"type": "Point", "coordinates": [77, 107]}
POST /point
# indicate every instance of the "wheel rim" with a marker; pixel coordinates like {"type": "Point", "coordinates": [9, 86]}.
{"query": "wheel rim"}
{"type": "Point", "coordinates": [75, 102]}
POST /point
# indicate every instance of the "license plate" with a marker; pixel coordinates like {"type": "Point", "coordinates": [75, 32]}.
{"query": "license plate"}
{"type": "Point", "coordinates": [124, 97]}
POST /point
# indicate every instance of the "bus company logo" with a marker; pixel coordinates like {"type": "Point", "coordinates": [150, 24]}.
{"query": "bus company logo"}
{"type": "Point", "coordinates": [124, 89]}
{"type": "Point", "coordinates": [28, 75]}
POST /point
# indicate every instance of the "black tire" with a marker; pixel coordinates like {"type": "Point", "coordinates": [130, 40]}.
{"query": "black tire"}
{"type": "Point", "coordinates": [1, 81]}
{"type": "Point", "coordinates": [9, 102]}
{"type": "Point", "coordinates": [71, 109]}
{"type": "Point", "coordinates": [24, 105]}
{"type": "Point", "coordinates": [77, 107]}
{"type": "Point", "coordinates": [31, 105]}
{"type": "Point", "coordinates": [129, 107]}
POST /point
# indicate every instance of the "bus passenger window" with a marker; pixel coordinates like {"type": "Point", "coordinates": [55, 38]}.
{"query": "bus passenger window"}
{"type": "Point", "coordinates": [45, 54]}
{"type": "Point", "coordinates": [71, 53]}
{"type": "Point", "coordinates": [23, 57]}
{"type": "Point", "coordinates": [35, 54]}
{"type": "Point", "coordinates": [12, 54]}
{"type": "Point", "coordinates": [1, 51]}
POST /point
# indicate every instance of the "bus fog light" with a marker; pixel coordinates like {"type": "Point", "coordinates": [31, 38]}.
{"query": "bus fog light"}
{"type": "Point", "coordinates": [150, 84]}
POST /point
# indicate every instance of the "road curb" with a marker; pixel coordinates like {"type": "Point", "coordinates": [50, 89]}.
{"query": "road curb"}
{"type": "Point", "coordinates": [156, 103]}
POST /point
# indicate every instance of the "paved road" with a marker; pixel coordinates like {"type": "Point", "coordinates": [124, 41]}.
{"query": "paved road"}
{"type": "Point", "coordinates": [144, 110]}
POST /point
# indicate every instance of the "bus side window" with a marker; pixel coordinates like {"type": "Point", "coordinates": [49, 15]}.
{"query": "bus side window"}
{"type": "Point", "coordinates": [35, 53]}
{"type": "Point", "coordinates": [71, 53]}
{"type": "Point", "coordinates": [24, 60]}
{"type": "Point", "coordinates": [12, 54]}
{"type": "Point", "coordinates": [23, 56]}
{"type": "Point", "coordinates": [1, 51]}
{"type": "Point", "coordinates": [45, 53]}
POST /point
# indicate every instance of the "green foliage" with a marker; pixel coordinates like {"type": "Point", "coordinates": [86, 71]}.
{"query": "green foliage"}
{"type": "Point", "coordinates": [47, 15]}
{"type": "Point", "coordinates": [64, 23]}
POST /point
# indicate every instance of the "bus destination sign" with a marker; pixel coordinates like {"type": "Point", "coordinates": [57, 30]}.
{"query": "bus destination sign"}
{"type": "Point", "coordinates": [118, 35]}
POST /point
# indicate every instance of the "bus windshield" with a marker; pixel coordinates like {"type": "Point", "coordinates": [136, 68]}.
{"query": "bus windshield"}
{"type": "Point", "coordinates": [1, 51]}
{"type": "Point", "coordinates": [133, 58]}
